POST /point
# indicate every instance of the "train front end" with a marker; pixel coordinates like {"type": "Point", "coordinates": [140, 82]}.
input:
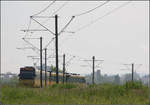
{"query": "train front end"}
{"type": "Point", "coordinates": [27, 76]}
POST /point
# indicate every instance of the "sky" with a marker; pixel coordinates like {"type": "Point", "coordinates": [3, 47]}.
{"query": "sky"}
{"type": "Point", "coordinates": [121, 37]}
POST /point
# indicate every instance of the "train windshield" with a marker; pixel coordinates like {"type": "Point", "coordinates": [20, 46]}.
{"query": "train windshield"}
{"type": "Point", "coordinates": [27, 73]}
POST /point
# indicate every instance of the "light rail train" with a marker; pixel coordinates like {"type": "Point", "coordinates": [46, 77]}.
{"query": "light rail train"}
{"type": "Point", "coordinates": [30, 76]}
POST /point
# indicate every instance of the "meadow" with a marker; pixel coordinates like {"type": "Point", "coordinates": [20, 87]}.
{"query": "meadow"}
{"type": "Point", "coordinates": [128, 93]}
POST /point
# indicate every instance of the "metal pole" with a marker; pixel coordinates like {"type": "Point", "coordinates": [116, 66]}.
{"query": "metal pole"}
{"type": "Point", "coordinates": [66, 78]}
{"type": "Point", "coordinates": [93, 69]}
{"type": "Point", "coordinates": [149, 85]}
{"type": "Point", "coordinates": [56, 45]}
{"type": "Point", "coordinates": [132, 71]}
{"type": "Point", "coordinates": [63, 67]}
{"type": "Point", "coordinates": [50, 75]}
{"type": "Point", "coordinates": [45, 66]}
{"type": "Point", "coordinates": [41, 61]}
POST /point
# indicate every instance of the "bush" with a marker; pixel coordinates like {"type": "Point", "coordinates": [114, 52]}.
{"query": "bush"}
{"type": "Point", "coordinates": [9, 81]}
{"type": "Point", "coordinates": [92, 85]}
{"type": "Point", "coordinates": [63, 86]}
{"type": "Point", "coordinates": [133, 85]}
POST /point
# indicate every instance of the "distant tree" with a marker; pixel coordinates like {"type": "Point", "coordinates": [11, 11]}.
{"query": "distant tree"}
{"type": "Point", "coordinates": [117, 79]}
{"type": "Point", "coordinates": [127, 77]}
{"type": "Point", "coordinates": [49, 68]}
{"type": "Point", "coordinates": [8, 73]}
{"type": "Point", "coordinates": [53, 69]}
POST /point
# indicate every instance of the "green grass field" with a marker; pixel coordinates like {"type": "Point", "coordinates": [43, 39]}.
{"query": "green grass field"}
{"type": "Point", "coordinates": [76, 94]}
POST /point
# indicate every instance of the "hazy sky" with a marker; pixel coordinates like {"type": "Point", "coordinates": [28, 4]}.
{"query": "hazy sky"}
{"type": "Point", "coordinates": [121, 37]}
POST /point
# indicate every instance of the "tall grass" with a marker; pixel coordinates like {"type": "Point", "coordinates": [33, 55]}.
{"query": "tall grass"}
{"type": "Point", "coordinates": [129, 93]}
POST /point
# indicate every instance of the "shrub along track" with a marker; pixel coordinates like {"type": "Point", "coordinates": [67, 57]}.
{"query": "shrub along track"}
{"type": "Point", "coordinates": [128, 93]}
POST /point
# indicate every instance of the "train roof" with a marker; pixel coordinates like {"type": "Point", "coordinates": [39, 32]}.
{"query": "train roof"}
{"type": "Point", "coordinates": [71, 74]}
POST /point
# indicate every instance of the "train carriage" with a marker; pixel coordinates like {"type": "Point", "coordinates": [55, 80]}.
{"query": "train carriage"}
{"type": "Point", "coordinates": [30, 76]}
